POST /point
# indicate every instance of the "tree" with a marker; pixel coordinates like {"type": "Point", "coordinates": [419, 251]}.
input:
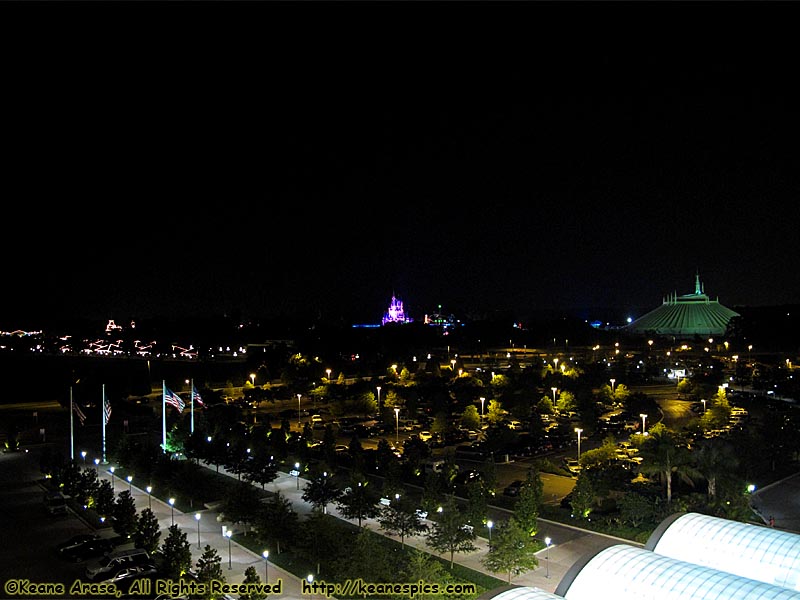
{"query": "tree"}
{"type": "Point", "coordinates": [125, 514]}
{"type": "Point", "coordinates": [321, 491]}
{"type": "Point", "coordinates": [209, 569]}
{"type": "Point", "coordinates": [176, 552]}
{"type": "Point", "coordinates": [241, 504]}
{"type": "Point", "coordinates": [495, 412]}
{"type": "Point", "coordinates": [513, 551]}
{"type": "Point", "coordinates": [400, 518]}
{"type": "Point", "coordinates": [422, 566]}
{"type": "Point", "coordinates": [566, 401]}
{"type": "Point", "coordinates": [715, 458]}
{"type": "Point", "coordinates": [529, 501]}
{"type": "Point", "coordinates": [471, 418]}
{"type": "Point", "coordinates": [358, 502]}
{"type": "Point", "coordinates": [147, 531]}
{"type": "Point", "coordinates": [582, 496]}
{"type": "Point", "coordinates": [368, 559]}
{"type": "Point", "coordinates": [88, 484]}
{"type": "Point", "coordinates": [104, 501]}
{"type": "Point", "coordinates": [276, 522]}
{"type": "Point", "coordinates": [449, 533]}
{"type": "Point", "coordinates": [320, 538]}
{"type": "Point", "coordinates": [662, 455]}
{"type": "Point", "coordinates": [251, 577]}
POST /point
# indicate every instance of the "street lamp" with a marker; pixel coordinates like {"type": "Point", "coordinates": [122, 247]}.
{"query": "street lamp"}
{"type": "Point", "coordinates": [149, 497]}
{"type": "Point", "coordinates": [379, 397]}
{"type": "Point", "coordinates": [297, 470]}
{"type": "Point", "coordinates": [298, 411]}
{"type": "Point", "coordinates": [396, 426]}
{"type": "Point", "coordinates": [228, 534]}
{"type": "Point", "coordinates": [579, 431]}
{"type": "Point", "coordinates": [111, 470]}
{"type": "Point", "coordinates": [613, 381]}
{"type": "Point", "coordinates": [253, 379]}
{"type": "Point", "coordinates": [453, 364]}
{"type": "Point", "coordinates": [489, 526]}
{"type": "Point", "coordinates": [554, 390]}
{"type": "Point", "coordinates": [547, 542]}
{"type": "Point", "coordinates": [96, 462]}
{"type": "Point", "coordinates": [644, 418]}
{"type": "Point", "coordinates": [482, 402]}
{"type": "Point", "coordinates": [172, 507]}
{"type": "Point", "coordinates": [328, 371]}
{"type": "Point", "coordinates": [555, 362]}
{"type": "Point", "coordinates": [197, 518]}
{"type": "Point", "coordinates": [704, 405]}
{"type": "Point", "coordinates": [130, 484]}
{"type": "Point", "coordinates": [83, 454]}
{"type": "Point", "coordinates": [265, 554]}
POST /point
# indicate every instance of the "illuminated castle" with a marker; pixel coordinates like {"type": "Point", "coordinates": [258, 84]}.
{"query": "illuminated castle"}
{"type": "Point", "coordinates": [395, 314]}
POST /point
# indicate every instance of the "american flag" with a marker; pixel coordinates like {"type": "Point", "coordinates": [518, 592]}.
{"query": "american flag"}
{"type": "Point", "coordinates": [79, 413]}
{"type": "Point", "coordinates": [171, 397]}
{"type": "Point", "coordinates": [106, 410]}
{"type": "Point", "coordinates": [196, 396]}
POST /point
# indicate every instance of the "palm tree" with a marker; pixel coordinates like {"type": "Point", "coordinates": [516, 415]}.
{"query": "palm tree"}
{"type": "Point", "coordinates": [715, 458]}
{"type": "Point", "coordinates": [663, 454]}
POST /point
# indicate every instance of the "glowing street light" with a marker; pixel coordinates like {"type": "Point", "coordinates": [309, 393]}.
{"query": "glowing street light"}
{"type": "Point", "coordinates": [172, 508]}
{"type": "Point", "coordinates": [644, 419]}
{"type": "Point", "coordinates": [482, 402]}
{"type": "Point", "coordinates": [555, 362]}
{"type": "Point", "coordinates": [613, 381]}
{"type": "Point", "coordinates": [197, 518]}
{"type": "Point", "coordinates": [453, 364]}
{"type": "Point", "coordinates": [96, 462]}
{"type": "Point", "coordinates": [547, 542]}
{"type": "Point", "coordinates": [704, 405]}
{"type": "Point", "coordinates": [265, 554]}
{"type": "Point", "coordinates": [579, 431]}
{"type": "Point", "coordinates": [150, 497]}
{"type": "Point", "coordinates": [130, 483]}
{"type": "Point", "coordinates": [111, 470]}
{"type": "Point", "coordinates": [253, 379]}
{"type": "Point", "coordinates": [489, 525]}
{"type": "Point", "coordinates": [396, 426]}
{"type": "Point", "coordinates": [379, 397]}
{"type": "Point", "coordinates": [298, 411]}
{"type": "Point", "coordinates": [554, 390]}
{"type": "Point", "coordinates": [297, 470]}
{"type": "Point", "coordinates": [228, 534]}
{"type": "Point", "coordinates": [328, 371]}
{"type": "Point", "coordinates": [83, 454]}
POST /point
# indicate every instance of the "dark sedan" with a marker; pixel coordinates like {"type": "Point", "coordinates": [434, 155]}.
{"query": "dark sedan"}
{"type": "Point", "coordinates": [83, 547]}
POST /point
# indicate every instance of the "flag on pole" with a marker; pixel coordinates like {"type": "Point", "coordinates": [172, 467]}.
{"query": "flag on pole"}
{"type": "Point", "coordinates": [196, 396]}
{"type": "Point", "coordinates": [171, 397]}
{"type": "Point", "coordinates": [79, 413]}
{"type": "Point", "coordinates": [106, 410]}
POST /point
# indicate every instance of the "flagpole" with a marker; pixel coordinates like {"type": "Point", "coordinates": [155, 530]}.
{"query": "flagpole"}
{"type": "Point", "coordinates": [103, 421]}
{"type": "Point", "coordinates": [71, 430]}
{"type": "Point", "coordinates": [164, 415]}
{"type": "Point", "coordinates": [191, 395]}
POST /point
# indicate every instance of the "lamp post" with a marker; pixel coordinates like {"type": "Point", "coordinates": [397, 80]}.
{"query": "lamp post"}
{"type": "Point", "coordinates": [554, 390]}
{"type": "Point", "coordinates": [396, 426]}
{"type": "Point", "coordinates": [328, 371]}
{"type": "Point", "coordinates": [265, 554]}
{"type": "Point", "coordinates": [547, 542]}
{"type": "Point", "coordinates": [83, 454]}
{"type": "Point", "coordinates": [453, 364]}
{"type": "Point", "coordinates": [96, 462]}
{"type": "Point", "coordinates": [483, 400]}
{"type": "Point", "coordinates": [149, 497]}
{"type": "Point", "coordinates": [379, 398]}
{"type": "Point", "coordinates": [310, 580]}
{"type": "Point", "coordinates": [555, 362]}
{"type": "Point", "coordinates": [111, 470]}
{"type": "Point", "coordinates": [489, 525]}
{"type": "Point", "coordinates": [579, 431]}
{"type": "Point", "coordinates": [253, 379]}
{"type": "Point", "coordinates": [704, 405]}
{"type": "Point", "coordinates": [613, 381]}
{"type": "Point", "coordinates": [297, 470]}
{"type": "Point", "coordinates": [197, 518]}
{"type": "Point", "coordinates": [644, 418]}
{"type": "Point", "coordinates": [228, 534]}
{"type": "Point", "coordinates": [130, 484]}
{"type": "Point", "coordinates": [298, 412]}
{"type": "Point", "coordinates": [172, 509]}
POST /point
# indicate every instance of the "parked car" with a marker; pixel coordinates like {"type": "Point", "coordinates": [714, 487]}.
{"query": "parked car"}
{"type": "Point", "coordinates": [110, 564]}
{"type": "Point", "coordinates": [55, 503]}
{"type": "Point", "coordinates": [512, 489]}
{"type": "Point", "coordinates": [425, 436]}
{"type": "Point", "coordinates": [83, 547]}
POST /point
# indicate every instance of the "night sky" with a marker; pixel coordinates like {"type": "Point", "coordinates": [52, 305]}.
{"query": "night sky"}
{"type": "Point", "coordinates": [206, 182]}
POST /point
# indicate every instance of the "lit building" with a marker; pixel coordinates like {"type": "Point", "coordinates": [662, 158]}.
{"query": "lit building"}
{"type": "Point", "coordinates": [395, 314]}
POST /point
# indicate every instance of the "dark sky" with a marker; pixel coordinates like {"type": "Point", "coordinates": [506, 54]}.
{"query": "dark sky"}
{"type": "Point", "coordinates": [202, 181]}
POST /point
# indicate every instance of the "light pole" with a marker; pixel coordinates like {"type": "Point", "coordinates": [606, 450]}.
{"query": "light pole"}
{"type": "Point", "coordinates": [379, 398]}
{"type": "Point", "coordinates": [172, 509]}
{"type": "Point", "coordinates": [96, 462]}
{"type": "Point", "coordinates": [310, 580]}
{"type": "Point", "coordinates": [83, 454]}
{"type": "Point", "coordinates": [483, 400]}
{"type": "Point", "coordinates": [228, 534]}
{"type": "Point", "coordinates": [579, 431]}
{"type": "Point", "coordinates": [253, 379]}
{"type": "Point", "coordinates": [555, 362]}
{"type": "Point", "coordinates": [547, 542]}
{"type": "Point", "coordinates": [704, 405]}
{"type": "Point", "coordinates": [644, 418]}
{"type": "Point", "coordinates": [298, 412]}
{"type": "Point", "coordinates": [489, 526]}
{"type": "Point", "coordinates": [265, 554]}
{"type": "Point", "coordinates": [111, 470]}
{"type": "Point", "coordinates": [396, 426]}
{"type": "Point", "coordinates": [197, 518]}
{"type": "Point", "coordinates": [149, 497]}
{"type": "Point", "coordinates": [328, 371]}
{"type": "Point", "coordinates": [130, 484]}
{"type": "Point", "coordinates": [297, 470]}
{"type": "Point", "coordinates": [613, 381]}
{"type": "Point", "coordinates": [453, 364]}
{"type": "Point", "coordinates": [554, 390]}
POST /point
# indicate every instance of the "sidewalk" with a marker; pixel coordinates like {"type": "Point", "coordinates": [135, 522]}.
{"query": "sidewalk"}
{"type": "Point", "coordinates": [553, 562]}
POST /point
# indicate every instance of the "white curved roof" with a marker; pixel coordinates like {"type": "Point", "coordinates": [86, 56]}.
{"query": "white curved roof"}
{"type": "Point", "coordinates": [625, 572]}
{"type": "Point", "coordinates": [753, 551]}
{"type": "Point", "coordinates": [519, 593]}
